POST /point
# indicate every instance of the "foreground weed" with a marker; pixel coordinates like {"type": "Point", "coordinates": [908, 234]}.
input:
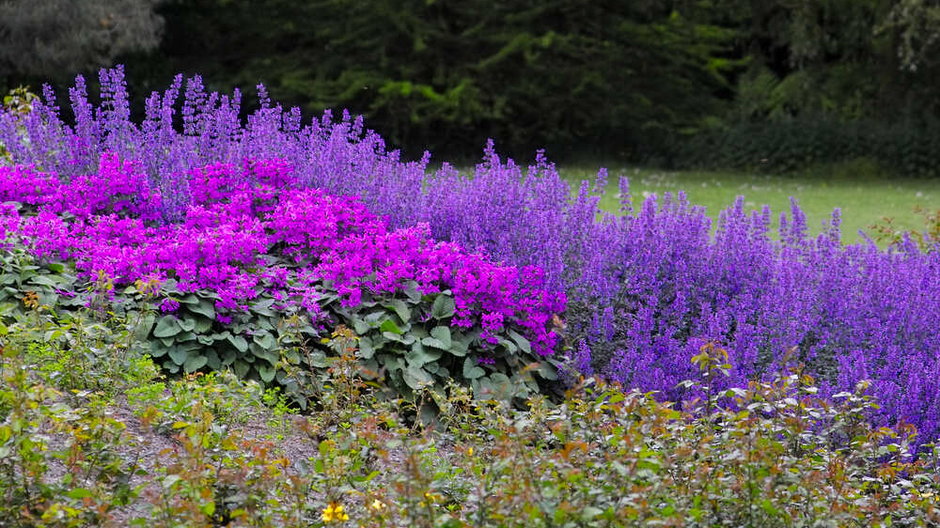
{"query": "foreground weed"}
{"type": "Point", "coordinates": [60, 465]}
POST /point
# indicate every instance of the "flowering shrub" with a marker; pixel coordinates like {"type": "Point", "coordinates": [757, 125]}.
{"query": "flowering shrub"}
{"type": "Point", "coordinates": [252, 241]}
{"type": "Point", "coordinates": [644, 289]}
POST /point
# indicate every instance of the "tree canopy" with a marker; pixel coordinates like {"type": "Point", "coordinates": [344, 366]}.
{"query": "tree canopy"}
{"type": "Point", "coordinates": [625, 78]}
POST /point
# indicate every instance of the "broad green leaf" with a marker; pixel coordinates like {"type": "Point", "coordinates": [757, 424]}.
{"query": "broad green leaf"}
{"type": "Point", "coordinates": [433, 342]}
{"type": "Point", "coordinates": [79, 493]}
{"type": "Point", "coordinates": [144, 327]}
{"type": "Point", "coordinates": [265, 340]}
{"type": "Point", "coordinates": [419, 356]}
{"type": "Point", "coordinates": [522, 342]}
{"type": "Point", "coordinates": [157, 349]}
{"type": "Point", "coordinates": [190, 299]}
{"type": "Point", "coordinates": [389, 326]}
{"type": "Point", "coordinates": [471, 370]}
{"type": "Point", "coordinates": [241, 368]}
{"type": "Point", "coordinates": [185, 336]}
{"type": "Point", "coordinates": [442, 334]}
{"type": "Point", "coordinates": [203, 325]}
{"type": "Point", "coordinates": [266, 372]}
{"type": "Point", "coordinates": [205, 308]}
{"type": "Point", "coordinates": [268, 355]}
{"type": "Point", "coordinates": [178, 355]}
{"type": "Point", "coordinates": [361, 327]}
{"type": "Point", "coordinates": [213, 361]}
{"type": "Point", "coordinates": [238, 342]}
{"type": "Point", "coordinates": [366, 350]}
{"type": "Point", "coordinates": [228, 356]}
{"type": "Point", "coordinates": [195, 363]}
{"type": "Point", "coordinates": [459, 348]}
{"type": "Point", "coordinates": [546, 371]}
{"type": "Point", "coordinates": [166, 327]}
{"type": "Point", "coordinates": [45, 280]}
{"type": "Point", "coordinates": [443, 307]}
{"type": "Point", "coordinates": [411, 291]}
{"type": "Point", "coordinates": [263, 307]}
{"type": "Point", "coordinates": [416, 377]}
{"type": "Point", "coordinates": [171, 367]}
{"type": "Point", "coordinates": [188, 324]}
{"type": "Point", "coordinates": [400, 308]}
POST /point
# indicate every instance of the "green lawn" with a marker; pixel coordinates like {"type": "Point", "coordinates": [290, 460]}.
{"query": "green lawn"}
{"type": "Point", "coordinates": [863, 195]}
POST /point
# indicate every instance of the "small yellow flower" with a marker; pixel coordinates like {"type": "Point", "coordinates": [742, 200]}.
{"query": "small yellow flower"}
{"type": "Point", "coordinates": [378, 505]}
{"type": "Point", "coordinates": [470, 451]}
{"type": "Point", "coordinates": [334, 513]}
{"type": "Point", "coordinates": [432, 497]}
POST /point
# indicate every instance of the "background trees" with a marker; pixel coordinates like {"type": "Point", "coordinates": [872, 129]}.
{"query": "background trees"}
{"type": "Point", "coordinates": [648, 80]}
{"type": "Point", "coordinates": [53, 39]}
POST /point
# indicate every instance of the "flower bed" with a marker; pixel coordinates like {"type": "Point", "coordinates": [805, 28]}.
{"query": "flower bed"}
{"type": "Point", "coordinates": [644, 290]}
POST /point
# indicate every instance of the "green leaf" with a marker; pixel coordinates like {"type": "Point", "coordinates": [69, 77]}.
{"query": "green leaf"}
{"type": "Point", "coordinates": [157, 349]}
{"type": "Point", "coordinates": [400, 308]}
{"type": "Point", "coordinates": [443, 307]}
{"type": "Point", "coordinates": [44, 280]}
{"type": "Point", "coordinates": [190, 300]}
{"type": "Point", "coordinates": [263, 307]}
{"type": "Point", "coordinates": [419, 356]}
{"type": "Point", "coordinates": [471, 370]}
{"type": "Point", "coordinates": [203, 325]}
{"type": "Point", "coordinates": [547, 371]}
{"type": "Point", "coordinates": [361, 327]}
{"type": "Point", "coordinates": [239, 343]}
{"type": "Point", "coordinates": [411, 291]}
{"type": "Point", "coordinates": [523, 343]}
{"type": "Point", "coordinates": [241, 368]}
{"type": "Point", "coordinates": [265, 340]}
{"type": "Point", "coordinates": [228, 356]}
{"type": "Point", "coordinates": [266, 372]}
{"type": "Point", "coordinates": [442, 334]}
{"type": "Point", "coordinates": [459, 348]}
{"type": "Point", "coordinates": [268, 355]}
{"type": "Point", "coordinates": [416, 377]}
{"type": "Point", "coordinates": [179, 355]}
{"type": "Point", "coordinates": [185, 336]}
{"type": "Point", "coordinates": [167, 327]}
{"type": "Point", "coordinates": [317, 359]}
{"type": "Point", "coordinates": [213, 361]}
{"type": "Point", "coordinates": [366, 350]}
{"type": "Point", "coordinates": [195, 363]}
{"type": "Point", "coordinates": [433, 342]}
{"type": "Point", "coordinates": [389, 326]}
{"type": "Point", "coordinates": [56, 267]}
{"type": "Point", "coordinates": [188, 324]}
{"type": "Point", "coordinates": [205, 308]}
{"type": "Point", "coordinates": [143, 328]}
{"type": "Point", "coordinates": [79, 493]}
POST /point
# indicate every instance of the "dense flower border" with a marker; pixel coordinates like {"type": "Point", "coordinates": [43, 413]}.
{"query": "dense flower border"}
{"type": "Point", "coordinates": [644, 289]}
{"type": "Point", "coordinates": [107, 222]}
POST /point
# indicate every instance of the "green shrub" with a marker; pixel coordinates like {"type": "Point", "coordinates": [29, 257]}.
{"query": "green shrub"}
{"type": "Point", "coordinates": [786, 146]}
{"type": "Point", "coordinates": [405, 343]}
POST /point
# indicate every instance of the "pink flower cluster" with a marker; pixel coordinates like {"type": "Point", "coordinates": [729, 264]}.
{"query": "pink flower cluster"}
{"type": "Point", "coordinates": [241, 217]}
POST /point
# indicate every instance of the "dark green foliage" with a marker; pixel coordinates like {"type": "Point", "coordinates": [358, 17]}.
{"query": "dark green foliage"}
{"type": "Point", "coordinates": [906, 149]}
{"type": "Point", "coordinates": [405, 343]}
{"type": "Point", "coordinates": [50, 39]}
{"type": "Point", "coordinates": [446, 74]}
{"type": "Point", "coordinates": [610, 79]}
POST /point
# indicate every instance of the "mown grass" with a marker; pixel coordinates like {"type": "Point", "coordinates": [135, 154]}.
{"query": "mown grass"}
{"type": "Point", "coordinates": [864, 193]}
